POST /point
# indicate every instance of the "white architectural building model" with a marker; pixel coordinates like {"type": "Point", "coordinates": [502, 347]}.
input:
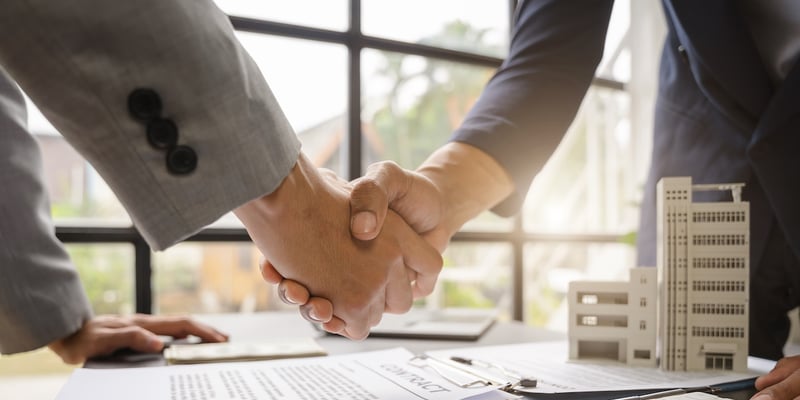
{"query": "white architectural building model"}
{"type": "Point", "coordinates": [615, 320]}
{"type": "Point", "coordinates": [704, 261]}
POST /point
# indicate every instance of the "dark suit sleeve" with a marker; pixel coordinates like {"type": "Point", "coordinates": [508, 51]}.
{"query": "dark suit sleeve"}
{"type": "Point", "coordinates": [531, 100]}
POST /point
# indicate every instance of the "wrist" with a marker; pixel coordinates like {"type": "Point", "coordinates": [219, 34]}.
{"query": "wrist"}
{"type": "Point", "coordinates": [469, 182]}
{"type": "Point", "coordinates": [295, 191]}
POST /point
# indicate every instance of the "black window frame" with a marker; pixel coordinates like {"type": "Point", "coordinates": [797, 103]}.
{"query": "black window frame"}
{"type": "Point", "coordinates": [354, 41]}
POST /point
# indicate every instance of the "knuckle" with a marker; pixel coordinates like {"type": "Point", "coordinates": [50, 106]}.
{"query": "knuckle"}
{"type": "Point", "coordinates": [365, 188]}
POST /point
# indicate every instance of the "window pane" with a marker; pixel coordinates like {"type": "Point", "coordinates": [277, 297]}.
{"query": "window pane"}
{"type": "Point", "coordinates": [211, 278]}
{"type": "Point", "coordinates": [411, 106]}
{"type": "Point", "coordinates": [592, 183]}
{"type": "Point", "coordinates": [309, 79]}
{"type": "Point", "coordinates": [477, 26]}
{"type": "Point", "coordinates": [549, 267]}
{"type": "Point", "coordinates": [616, 61]}
{"type": "Point", "coordinates": [78, 196]}
{"type": "Point", "coordinates": [413, 103]}
{"type": "Point", "coordinates": [476, 275]}
{"type": "Point", "coordinates": [326, 14]}
{"type": "Point", "coordinates": [107, 273]}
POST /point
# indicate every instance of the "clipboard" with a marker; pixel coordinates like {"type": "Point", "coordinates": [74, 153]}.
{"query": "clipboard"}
{"type": "Point", "coordinates": [559, 378]}
{"type": "Point", "coordinates": [471, 373]}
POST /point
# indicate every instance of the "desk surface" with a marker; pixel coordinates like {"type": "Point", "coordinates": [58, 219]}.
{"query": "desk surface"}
{"type": "Point", "coordinates": [264, 326]}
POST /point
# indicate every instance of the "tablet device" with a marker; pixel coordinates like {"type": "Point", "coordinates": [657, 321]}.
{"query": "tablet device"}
{"type": "Point", "coordinates": [446, 324]}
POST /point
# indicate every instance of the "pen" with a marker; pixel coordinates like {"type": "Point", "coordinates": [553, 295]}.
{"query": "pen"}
{"type": "Point", "coordinates": [721, 388]}
{"type": "Point", "coordinates": [520, 381]}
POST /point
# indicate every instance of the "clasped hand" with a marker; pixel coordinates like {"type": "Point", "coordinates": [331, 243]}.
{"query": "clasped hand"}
{"type": "Point", "coordinates": [302, 229]}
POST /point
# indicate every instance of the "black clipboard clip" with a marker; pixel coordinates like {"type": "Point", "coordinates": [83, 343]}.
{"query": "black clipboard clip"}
{"type": "Point", "coordinates": [470, 373]}
{"type": "Point", "coordinates": [727, 387]}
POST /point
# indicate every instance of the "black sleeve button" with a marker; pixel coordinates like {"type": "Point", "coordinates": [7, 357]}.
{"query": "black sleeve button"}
{"type": "Point", "coordinates": [162, 133]}
{"type": "Point", "coordinates": [683, 53]}
{"type": "Point", "coordinates": [144, 104]}
{"type": "Point", "coordinates": [181, 160]}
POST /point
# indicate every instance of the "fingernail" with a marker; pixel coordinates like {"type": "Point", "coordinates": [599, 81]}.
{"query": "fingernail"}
{"type": "Point", "coordinates": [282, 295]}
{"type": "Point", "coordinates": [313, 315]}
{"type": "Point", "coordinates": [762, 396]}
{"type": "Point", "coordinates": [364, 222]}
{"type": "Point", "coordinates": [309, 314]}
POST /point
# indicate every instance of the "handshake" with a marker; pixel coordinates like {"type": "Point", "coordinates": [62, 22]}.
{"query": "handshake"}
{"type": "Point", "coordinates": [347, 252]}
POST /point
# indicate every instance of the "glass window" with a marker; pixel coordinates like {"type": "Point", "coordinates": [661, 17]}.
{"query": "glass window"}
{"type": "Point", "coordinates": [549, 267]}
{"type": "Point", "coordinates": [476, 26]}
{"type": "Point", "coordinates": [214, 277]}
{"type": "Point", "coordinates": [591, 183]}
{"type": "Point", "coordinates": [411, 106]}
{"type": "Point", "coordinates": [616, 61]}
{"type": "Point", "coordinates": [107, 273]}
{"type": "Point", "coordinates": [326, 14]}
{"type": "Point", "coordinates": [309, 81]}
{"type": "Point", "coordinates": [475, 275]}
{"type": "Point", "coordinates": [78, 195]}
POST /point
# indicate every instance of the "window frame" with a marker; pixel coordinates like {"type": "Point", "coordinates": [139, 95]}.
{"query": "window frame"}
{"type": "Point", "coordinates": [354, 41]}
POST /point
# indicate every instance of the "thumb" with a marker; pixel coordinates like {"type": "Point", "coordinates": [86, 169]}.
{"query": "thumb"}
{"type": "Point", "coordinates": [788, 388]}
{"type": "Point", "coordinates": [371, 196]}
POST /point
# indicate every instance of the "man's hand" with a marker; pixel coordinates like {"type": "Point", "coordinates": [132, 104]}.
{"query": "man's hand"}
{"type": "Point", "coordinates": [102, 335]}
{"type": "Point", "coordinates": [302, 229]}
{"type": "Point", "coordinates": [385, 185]}
{"type": "Point", "coordinates": [455, 184]}
{"type": "Point", "coordinates": [782, 383]}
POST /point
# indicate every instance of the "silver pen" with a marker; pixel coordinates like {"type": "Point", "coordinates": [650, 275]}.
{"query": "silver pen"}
{"type": "Point", "coordinates": [518, 380]}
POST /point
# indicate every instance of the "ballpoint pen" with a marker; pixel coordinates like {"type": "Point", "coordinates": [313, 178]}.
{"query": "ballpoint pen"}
{"type": "Point", "coordinates": [519, 380]}
{"type": "Point", "coordinates": [721, 388]}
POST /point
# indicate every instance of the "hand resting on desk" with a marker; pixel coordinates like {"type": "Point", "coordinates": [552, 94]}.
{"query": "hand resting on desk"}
{"type": "Point", "coordinates": [104, 334]}
{"type": "Point", "coordinates": [782, 383]}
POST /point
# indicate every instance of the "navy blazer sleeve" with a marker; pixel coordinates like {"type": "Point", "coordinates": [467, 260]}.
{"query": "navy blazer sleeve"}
{"type": "Point", "coordinates": [531, 100]}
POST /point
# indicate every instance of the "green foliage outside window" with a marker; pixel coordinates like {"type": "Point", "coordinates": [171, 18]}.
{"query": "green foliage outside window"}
{"type": "Point", "coordinates": [411, 133]}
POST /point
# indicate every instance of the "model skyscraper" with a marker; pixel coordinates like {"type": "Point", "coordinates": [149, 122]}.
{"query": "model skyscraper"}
{"type": "Point", "coordinates": [704, 265]}
{"type": "Point", "coordinates": [704, 262]}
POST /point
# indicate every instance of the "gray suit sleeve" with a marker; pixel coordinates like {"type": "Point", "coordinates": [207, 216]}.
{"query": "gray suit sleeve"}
{"type": "Point", "coordinates": [80, 60]}
{"type": "Point", "coordinates": [41, 297]}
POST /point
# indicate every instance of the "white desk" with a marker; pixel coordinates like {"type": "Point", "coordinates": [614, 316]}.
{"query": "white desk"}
{"type": "Point", "coordinates": [263, 326]}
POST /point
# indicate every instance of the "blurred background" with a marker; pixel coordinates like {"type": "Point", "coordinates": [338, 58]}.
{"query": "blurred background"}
{"type": "Point", "coordinates": [370, 80]}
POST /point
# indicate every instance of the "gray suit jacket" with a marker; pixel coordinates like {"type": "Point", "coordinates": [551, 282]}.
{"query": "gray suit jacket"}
{"type": "Point", "coordinates": [207, 136]}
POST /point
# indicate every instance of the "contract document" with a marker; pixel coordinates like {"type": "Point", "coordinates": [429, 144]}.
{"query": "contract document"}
{"type": "Point", "coordinates": [384, 374]}
{"type": "Point", "coordinates": [548, 364]}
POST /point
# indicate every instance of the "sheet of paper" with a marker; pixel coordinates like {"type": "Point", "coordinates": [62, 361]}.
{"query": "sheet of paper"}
{"type": "Point", "coordinates": [384, 374]}
{"type": "Point", "coordinates": [548, 363]}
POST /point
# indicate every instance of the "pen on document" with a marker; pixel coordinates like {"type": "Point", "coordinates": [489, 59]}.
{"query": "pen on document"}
{"type": "Point", "coordinates": [721, 388]}
{"type": "Point", "coordinates": [520, 381]}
